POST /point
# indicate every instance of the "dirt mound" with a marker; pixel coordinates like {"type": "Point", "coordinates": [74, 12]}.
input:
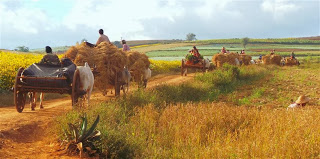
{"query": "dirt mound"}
{"type": "Point", "coordinates": [219, 59]}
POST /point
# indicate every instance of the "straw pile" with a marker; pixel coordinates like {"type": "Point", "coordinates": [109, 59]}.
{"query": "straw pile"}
{"type": "Point", "coordinates": [271, 59]}
{"type": "Point", "coordinates": [107, 58]}
{"type": "Point", "coordinates": [245, 59]}
{"type": "Point", "coordinates": [220, 59]}
{"type": "Point", "coordinates": [137, 63]}
{"type": "Point", "coordinates": [291, 61]}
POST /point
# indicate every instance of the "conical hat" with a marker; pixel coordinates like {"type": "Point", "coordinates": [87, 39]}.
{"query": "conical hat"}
{"type": "Point", "coordinates": [302, 99]}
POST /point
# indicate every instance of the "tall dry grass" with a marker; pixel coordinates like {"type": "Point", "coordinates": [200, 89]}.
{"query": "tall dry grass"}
{"type": "Point", "coordinates": [207, 130]}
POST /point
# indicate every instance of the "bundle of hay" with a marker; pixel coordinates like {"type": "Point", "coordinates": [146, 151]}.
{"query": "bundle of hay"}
{"type": "Point", "coordinates": [72, 53]}
{"type": "Point", "coordinates": [291, 61]}
{"type": "Point", "coordinates": [245, 59]}
{"type": "Point", "coordinates": [137, 63]}
{"type": "Point", "coordinates": [107, 58]}
{"type": "Point", "coordinates": [219, 59]}
{"type": "Point", "coordinates": [271, 59]}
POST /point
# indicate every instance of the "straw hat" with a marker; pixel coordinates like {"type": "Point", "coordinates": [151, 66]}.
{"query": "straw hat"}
{"type": "Point", "coordinates": [302, 99]}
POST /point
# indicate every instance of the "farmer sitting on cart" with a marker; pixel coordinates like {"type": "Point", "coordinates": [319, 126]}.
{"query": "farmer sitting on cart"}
{"type": "Point", "coordinates": [50, 58]}
{"type": "Point", "coordinates": [196, 55]}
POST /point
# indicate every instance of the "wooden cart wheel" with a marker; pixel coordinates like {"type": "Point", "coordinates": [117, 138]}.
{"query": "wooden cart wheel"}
{"type": "Point", "coordinates": [75, 87]}
{"type": "Point", "coordinates": [19, 96]}
{"type": "Point", "coordinates": [182, 67]}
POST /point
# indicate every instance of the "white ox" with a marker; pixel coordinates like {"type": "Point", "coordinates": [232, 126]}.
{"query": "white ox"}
{"type": "Point", "coordinates": [146, 76]}
{"type": "Point", "coordinates": [86, 81]}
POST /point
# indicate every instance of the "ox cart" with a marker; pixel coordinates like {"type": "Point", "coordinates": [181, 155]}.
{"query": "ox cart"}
{"type": "Point", "coordinates": [46, 79]}
{"type": "Point", "coordinates": [119, 80]}
{"type": "Point", "coordinates": [185, 64]}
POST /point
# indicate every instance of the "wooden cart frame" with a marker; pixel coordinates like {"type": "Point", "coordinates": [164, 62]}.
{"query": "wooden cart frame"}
{"type": "Point", "coordinates": [21, 89]}
{"type": "Point", "coordinates": [184, 67]}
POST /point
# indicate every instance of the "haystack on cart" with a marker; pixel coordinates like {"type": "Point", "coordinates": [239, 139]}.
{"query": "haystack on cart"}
{"type": "Point", "coordinates": [185, 64]}
{"type": "Point", "coordinates": [46, 83]}
{"type": "Point", "coordinates": [114, 79]}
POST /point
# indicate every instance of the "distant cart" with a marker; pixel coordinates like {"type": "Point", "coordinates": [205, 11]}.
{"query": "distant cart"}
{"type": "Point", "coordinates": [185, 64]}
{"type": "Point", "coordinates": [48, 82]}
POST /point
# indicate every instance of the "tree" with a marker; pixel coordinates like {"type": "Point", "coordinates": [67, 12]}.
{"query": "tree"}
{"type": "Point", "coordinates": [191, 37]}
{"type": "Point", "coordinates": [117, 43]}
{"type": "Point", "coordinates": [245, 41]}
{"type": "Point", "coordinates": [22, 49]}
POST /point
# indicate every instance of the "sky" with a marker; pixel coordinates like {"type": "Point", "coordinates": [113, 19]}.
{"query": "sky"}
{"type": "Point", "coordinates": [38, 23]}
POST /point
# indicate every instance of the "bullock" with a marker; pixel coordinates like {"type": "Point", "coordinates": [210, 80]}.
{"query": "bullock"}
{"type": "Point", "coordinates": [33, 100]}
{"type": "Point", "coordinates": [86, 81]}
{"type": "Point", "coordinates": [124, 80]}
{"type": "Point", "coordinates": [146, 76]}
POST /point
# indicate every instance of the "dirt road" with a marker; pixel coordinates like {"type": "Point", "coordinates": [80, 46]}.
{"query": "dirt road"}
{"type": "Point", "coordinates": [26, 135]}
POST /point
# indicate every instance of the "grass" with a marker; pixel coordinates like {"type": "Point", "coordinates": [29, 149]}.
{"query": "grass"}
{"type": "Point", "coordinates": [245, 118]}
{"type": "Point", "coordinates": [137, 125]}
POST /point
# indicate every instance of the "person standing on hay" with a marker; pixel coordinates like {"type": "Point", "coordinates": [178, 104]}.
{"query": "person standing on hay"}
{"type": "Point", "coordinates": [125, 47]}
{"type": "Point", "coordinates": [102, 38]}
{"type": "Point", "coordinates": [223, 50]}
{"type": "Point", "coordinates": [50, 58]}
{"type": "Point", "coordinates": [196, 55]}
{"type": "Point", "coordinates": [272, 52]}
{"type": "Point", "coordinates": [242, 52]}
{"type": "Point", "coordinates": [300, 102]}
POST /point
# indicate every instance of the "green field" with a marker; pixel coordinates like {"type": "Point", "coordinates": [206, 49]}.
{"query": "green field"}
{"type": "Point", "coordinates": [251, 49]}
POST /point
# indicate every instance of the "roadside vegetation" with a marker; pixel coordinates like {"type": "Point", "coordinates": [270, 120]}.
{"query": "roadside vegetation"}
{"type": "Point", "coordinates": [229, 113]}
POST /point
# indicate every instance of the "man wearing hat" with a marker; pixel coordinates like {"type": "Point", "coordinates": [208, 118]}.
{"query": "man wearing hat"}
{"type": "Point", "coordinates": [300, 102]}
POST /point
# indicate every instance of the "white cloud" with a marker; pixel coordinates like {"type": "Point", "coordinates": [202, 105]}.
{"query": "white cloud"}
{"type": "Point", "coordinates": [279, 8]}
{"type": "Point", "coordinates": [120, 17]}
{"type": "Point", "coordinates": [24, 23]}
{"type": "Point", "coordinates": [22, 19]}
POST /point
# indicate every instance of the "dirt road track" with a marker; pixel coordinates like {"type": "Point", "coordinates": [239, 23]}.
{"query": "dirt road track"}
{"type": "Point", "coordinates": [25, 135]}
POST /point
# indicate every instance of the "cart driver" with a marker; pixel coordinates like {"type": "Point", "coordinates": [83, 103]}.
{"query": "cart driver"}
{"type": "Point", "coordinates": [102, 38]}
{"type": "Point", "coordinates": [50, 58]}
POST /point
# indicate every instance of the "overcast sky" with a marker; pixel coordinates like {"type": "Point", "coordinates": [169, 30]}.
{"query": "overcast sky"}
{"type": "Point", "coordinates": [37, 23]}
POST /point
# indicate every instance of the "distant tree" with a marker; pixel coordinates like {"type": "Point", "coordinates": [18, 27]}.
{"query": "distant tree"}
{"type": "Point", "coordinates": [245, 41]}
{"type": "Point", "coordinates": [191, 37]}
{"type": "Point", "coordinates": [83, 40]}
{"type": "Point", "coordinates": [118, 44]}
{"type": "Point", "coordinates": [22, 49]}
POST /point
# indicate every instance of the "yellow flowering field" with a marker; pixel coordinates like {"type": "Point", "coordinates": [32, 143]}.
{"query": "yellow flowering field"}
{"type": "Point", "coordinates": [160, 66]}
{"type": "Point", "coordinates": [11, 62]}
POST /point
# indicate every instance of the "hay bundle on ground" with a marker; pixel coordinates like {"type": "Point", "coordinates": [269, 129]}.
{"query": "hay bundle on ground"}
{"type": "Point", "coordinates": [271, 59]}
{"type": "Point", "coordinates": [137, 63]}
{"type": "Point", "coordinates": [245, 59]}
{"type": "Point", "coordinates": [291, 61]}
{"type": "Point", "coordinates": [219, 59]}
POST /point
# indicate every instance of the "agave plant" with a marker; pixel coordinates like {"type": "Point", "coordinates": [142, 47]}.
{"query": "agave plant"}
{"type": "Point", "coordinates": [83, 140]}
